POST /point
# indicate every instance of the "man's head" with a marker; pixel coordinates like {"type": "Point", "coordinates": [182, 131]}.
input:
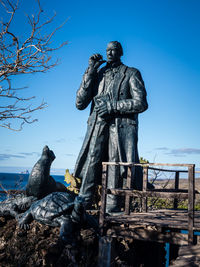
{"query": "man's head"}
{"type": "Point", "coordinates": [114, 51]}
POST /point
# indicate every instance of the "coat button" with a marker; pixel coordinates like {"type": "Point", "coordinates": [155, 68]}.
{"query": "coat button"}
{"type": "Point", "coordinates": [121, 93]}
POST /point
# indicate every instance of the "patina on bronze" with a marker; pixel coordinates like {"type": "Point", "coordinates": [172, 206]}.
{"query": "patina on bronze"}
{"type": "Point", "coordinates": [117, 94]}
{"type": "Point", "coordinates": [40, 183]}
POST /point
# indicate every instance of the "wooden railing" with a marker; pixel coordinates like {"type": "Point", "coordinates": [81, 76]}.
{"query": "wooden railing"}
{"type": "Point", "coordinates": [173, 193]}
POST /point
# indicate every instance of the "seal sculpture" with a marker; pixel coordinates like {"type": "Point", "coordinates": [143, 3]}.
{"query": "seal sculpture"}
{"type": "Point", "coordinates": [40, 183]}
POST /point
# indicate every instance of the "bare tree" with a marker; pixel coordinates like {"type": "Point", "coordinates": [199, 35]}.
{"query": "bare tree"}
{"type": "Point", "coordinates": [22, 55]}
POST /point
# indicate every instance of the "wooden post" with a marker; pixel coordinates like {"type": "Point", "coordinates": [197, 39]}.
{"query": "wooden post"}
{"type": "Point", "coordinates": [176, 187]}
{"type": "Point", "coordinates": [103, 197]}
{"type": "Point", "coordinates": [191, 192]}
{"type": "Point", "coordinates": [128, 198]}
{"type": "Point", "coordinates": [106, 252]}
{"type": "Point", "coordinates": [145, 181]}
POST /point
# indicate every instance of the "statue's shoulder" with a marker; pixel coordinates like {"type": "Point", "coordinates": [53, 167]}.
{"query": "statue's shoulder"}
{"type": "Point", "coordinates": [131, 70]}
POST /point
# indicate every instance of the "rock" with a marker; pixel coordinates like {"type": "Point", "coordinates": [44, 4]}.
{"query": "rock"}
{"type": "Point", "coordinates": [40, 246]}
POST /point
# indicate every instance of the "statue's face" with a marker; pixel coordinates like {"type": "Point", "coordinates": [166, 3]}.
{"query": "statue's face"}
{"type": "Point", "coordinates": [113, 53]}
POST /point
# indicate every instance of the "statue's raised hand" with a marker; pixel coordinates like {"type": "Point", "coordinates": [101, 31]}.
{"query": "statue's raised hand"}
{"type": "Point", "coordinates": [95, 61]}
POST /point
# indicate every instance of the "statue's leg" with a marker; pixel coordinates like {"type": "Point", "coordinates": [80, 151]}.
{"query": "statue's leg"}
{"type": "Point", "coordinates": [129, 153]}
{"type": "Point", "coordinates": [114, 203]}
{"type": "Point", "coordinates": [93, 164]}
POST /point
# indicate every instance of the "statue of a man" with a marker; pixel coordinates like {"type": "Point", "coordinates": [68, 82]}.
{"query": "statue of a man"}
{"type": "Point", "coordinates": [117, 94]}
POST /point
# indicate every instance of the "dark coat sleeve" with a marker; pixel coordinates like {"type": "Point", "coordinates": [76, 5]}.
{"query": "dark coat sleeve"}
{"type": "Point", "coordinates": [86, 91]}
{"type": "Point", "coordinates": [138, 101]}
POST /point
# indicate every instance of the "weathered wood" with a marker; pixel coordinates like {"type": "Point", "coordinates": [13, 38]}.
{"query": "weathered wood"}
{"type": "Point", "coordinates": [149, 222]}
{"type": "Point", "coordinates": [176, 186]}
{"type": "Point", "coordinates": [189, 250]}
{"type": "Point", "coordinates": [191, 205]}
{"type": "Point", "coordinates": [166, 220]}
{"type": "Point", "coordinates": [188, 256]}
{"type": "Point", "coordinates": [128, 164]}
{"type": "Point", "coordinates": [170, 164]}
{"type": "Point", "coordinates": [192, 261]}
{"type": "Point", "coordinates": [103, 196]}
{"type": "Point", "coordinates": [173, 190]}
{"type": "Point", "coordinates": [140, 194]}
{"type": "Point", "coordinates": [170, 190]}
{"type": "Point", "coordinates": [150, 235]}
{"type": "Point", "coordinates": [105, 252]}
{"type": "Point", "coordinates": [167, 170]}
{"type": "Point", "coordinates": [131, 164]}
{"type": "Point", "coordinates": [127, 197]}
{"type": "Point", "coordinates": [145, 181]}
{"type": "Point", "coordinates": [169, 219]}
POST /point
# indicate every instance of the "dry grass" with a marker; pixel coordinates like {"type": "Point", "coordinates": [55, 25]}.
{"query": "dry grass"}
{"type": "Point", "coordinates": [183, 184]}
{"type": "Point", "coordinates": [170, 184]}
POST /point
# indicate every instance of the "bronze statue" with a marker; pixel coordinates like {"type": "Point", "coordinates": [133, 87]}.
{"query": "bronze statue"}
{"type": "Point", "coordinates": [40, 183]}
{"type": "Point", "coordinates": [55, 210]}
{"type": "Point", "coordinates": [117, 94]}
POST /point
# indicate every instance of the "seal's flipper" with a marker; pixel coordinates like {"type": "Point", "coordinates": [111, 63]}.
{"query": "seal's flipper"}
{"type": "Point", "coordinates": [25, 220]}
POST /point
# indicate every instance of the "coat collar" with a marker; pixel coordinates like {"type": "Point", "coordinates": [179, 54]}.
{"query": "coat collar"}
{"type": "Point", "coordinates": [118, 80]}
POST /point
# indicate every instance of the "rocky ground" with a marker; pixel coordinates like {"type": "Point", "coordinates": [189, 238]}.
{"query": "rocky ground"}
{"type": "Point", "coordinates": [40, 246]}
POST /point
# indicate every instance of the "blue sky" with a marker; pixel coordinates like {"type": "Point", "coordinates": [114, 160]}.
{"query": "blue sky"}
{"type": "Point", "coordinates": [160, 38]}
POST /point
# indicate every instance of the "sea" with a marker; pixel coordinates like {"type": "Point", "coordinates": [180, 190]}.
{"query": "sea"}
{"type": "Point", "coordinates": [18, 181]}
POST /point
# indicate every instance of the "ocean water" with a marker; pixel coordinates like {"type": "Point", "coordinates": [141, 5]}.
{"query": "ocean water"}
{"type": "Point", "coordinates": [18, 181]}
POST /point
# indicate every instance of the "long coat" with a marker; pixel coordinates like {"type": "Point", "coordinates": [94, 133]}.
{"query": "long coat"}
{"type": "Point", "coordinates": [129, 92]}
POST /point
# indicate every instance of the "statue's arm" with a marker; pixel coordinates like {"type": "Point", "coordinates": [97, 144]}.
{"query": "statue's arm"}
{"type": "Point", "coordinates": [84, 94]}
{"type": "Point", "coordinates": [138, 102]}
{"type": "Point", "coordinates": [89, 82]}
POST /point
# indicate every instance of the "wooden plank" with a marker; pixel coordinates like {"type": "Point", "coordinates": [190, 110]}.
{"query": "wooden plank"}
{"type": "Point", "coordinates": [191, 187]}
{"type": "Point", "coordinates": [148, 221]}
{"type": "Point", "coordinates": [170, 211]}
{"type": "Point", "coordinates": [127, 197]}
{"type": "Point", "coordinates": [176, 186]}
{"type": "Point", "coordinates": [105, 256]}
{"type": "Point", "coordinates": [145, 181]}
{"type": "Point", "coordinates": [163, 218]}
{"type": "Point", "coordinates": [166, 219]}
{"type": "Point", "coordinates": [146, 164]}
{"type": "Point", "coordinates": [128, 164]}
{"type": "Point", "coordinates": [140, 194]}
{"type": "Point", "coordinates": [167, 170]}
{"type": "Point", "coordinates": [189, 250]}
{"type": "Point", "coordinates": [183, 261]}
{"type": "Point", "coordinates": [150, 235]}
{"type": "Point", "coordinates": [163, 225]}
{"type": "Point", "coordinates": [180, 190]}
{"type": "Point", "coordinates": [103, 196]}
{"type": "Point", "coordinates": [166, 190]}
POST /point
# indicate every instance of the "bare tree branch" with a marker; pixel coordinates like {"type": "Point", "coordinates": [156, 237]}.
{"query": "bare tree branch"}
{"type": "Point", "coordinates": [23, 55]}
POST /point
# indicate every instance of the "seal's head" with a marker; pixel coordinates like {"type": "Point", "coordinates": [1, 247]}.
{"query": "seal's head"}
{"type": "Point", "coordinates": [48, 153]}
{"type": "Point", "coordinates": [114, 51]}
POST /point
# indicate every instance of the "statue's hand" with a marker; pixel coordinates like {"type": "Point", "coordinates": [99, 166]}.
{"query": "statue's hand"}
{"type": "Point", "coordinates": [95, 61]}
{"type": "Point", "coordinates": [102, 109]}
{"type": "Point", "coordinates": [105, 108]}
